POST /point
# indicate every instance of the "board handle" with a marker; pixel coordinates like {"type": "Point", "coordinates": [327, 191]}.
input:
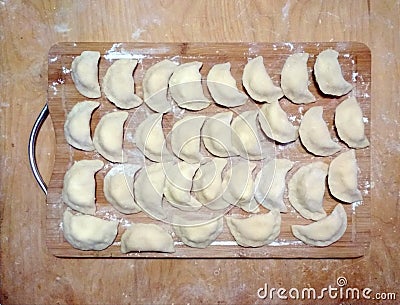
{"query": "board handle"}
{"type": "Point", "coordinates": [44, 113]}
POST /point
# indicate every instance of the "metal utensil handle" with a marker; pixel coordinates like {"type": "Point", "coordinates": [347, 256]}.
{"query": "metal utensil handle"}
{"type": "Point", "coordinates": [32, 147]}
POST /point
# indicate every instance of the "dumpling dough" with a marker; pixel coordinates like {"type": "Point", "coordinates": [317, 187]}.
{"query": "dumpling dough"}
{"type": "Point", "coordinates": [185, 138]}
{"type": "Point", "coordinates": [245, 136]}
{"type": "Point", "coordinates": [207, 184]}
{"type": "Point", "coordinates": [294, 79]}
{"type": "Point", "coordinates": [148, 189]}
{"type": "Point", "coordinates": [86, 232]}
{"type": "Point", "coordinates": [349, 123]}
{"type": "Point", "coordinates": [80, 186]}
{"type": "Point", "coordinates": [185, 87]}
{"type": "Point", "coordinates": [342, 177]}
{"type": "Point", "coordinates": [222, 86]}
{"type": "Point", "coordinates": [238, 185]}
{"type": "Point", "coordinates": [178, 184]}
{"type": "Point", "coordinates": [275, 124]}
{"type": "Point", "coordinates": [325, 231]}
{"type": "Point", "coordinates": [77, 125]}
{"type": "Point", "coordinates": [119, 86]}
{"type": "Point", "coordinates": [257, 230]}
{"type": "Point", "coordinates": [307, 188]}
{"type": "Point", "coordinates": [258, 83]}
{"type": "Point", "coordinates": [199, 235]}
{"type": "Point", "coordinates": [155, 85]}
{"type": "Point", "coordinates": [314, 134]}
{"type": "Point", "coordinates": [84, 73]}
{"type": "Point", "coordinates": [328, 74]}
{"type": "Point", "coordinates": [217, 135]}
{"type": "Point", "coordinates": [270, 184]}
{"type": "Point", "coordinates": [118, 188]}
{"type": "Point", "coordinates": [149, 138]}
{"type": "Point", "coordinates": [142, 237]}
{"type": "Point", "coordinates": [109, 134]}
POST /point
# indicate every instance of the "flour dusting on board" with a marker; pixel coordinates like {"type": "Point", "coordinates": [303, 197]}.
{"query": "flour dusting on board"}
{"type": "Point", "coordinates": [118, 52]}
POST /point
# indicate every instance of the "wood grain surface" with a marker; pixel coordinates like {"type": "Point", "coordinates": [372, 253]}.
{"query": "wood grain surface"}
{"type": "Point", "coordinates": [30, 274]}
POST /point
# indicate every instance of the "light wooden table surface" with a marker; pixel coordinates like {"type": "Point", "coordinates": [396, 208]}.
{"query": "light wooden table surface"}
{"type": "Point", "coordinates": [30, 275]}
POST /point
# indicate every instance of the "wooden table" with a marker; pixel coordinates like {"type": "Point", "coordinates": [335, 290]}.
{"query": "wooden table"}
{"type": "Point", "coordinates": [30, 275]}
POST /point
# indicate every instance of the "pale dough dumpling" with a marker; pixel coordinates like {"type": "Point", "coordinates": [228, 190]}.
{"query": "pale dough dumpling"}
{"type": "Point", "coordinates": [155, 85]}
{"type": "Point", "coordinates": [342, 177]}
{"type": "Point", "coordinates": [307, 188]}
{"type": "Point", "coordinates": [80, 186]}
{"type": "Point", "coordinates": [185, 87]}
{"type": "Point", "coordinates": [77, 125]}
{"type": "Point", "coordinates": [324, 232]}
{"type": "Point", "coordinates": [141, 237]}
{"type": "Point", "coordinates": [294, 79]}
{"type": "Point", "coordinates": [149, 138]}
{"type": "Point", "coordinates": [109, 135]}
{"type": "Point", "coordinates": [258, 83]}
{"type": "Point", "coordinates": [314, 134]}
{"type": "Point", "coordinates": [257, 230]}
{"type": "Point", "coordinates": [349, 123]}
{"type": "Point", "coordinates": [270, 184]}
{"type": "Point", "coordinates": [119, 86]}
{"type": "Point", "coordinates": [84, 73]}
{"type": "Point", "coordinates": [87, 232]}
{"type": "Point", "coordinates": [222, 86]}
{"type": "Point", "coordinates": [185, 138]}
{"type": "Point", "coordinates": [217, 135]}
{"type": "Point", "coordinates": [275, 123]}
{"type": "Point", "coordinates": [328, 74]}
{"type": "Point", "coordinates": [118, 188]}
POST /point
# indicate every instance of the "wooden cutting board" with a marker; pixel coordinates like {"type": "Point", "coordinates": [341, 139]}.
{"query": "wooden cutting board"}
{"type": "Point", "coordinates": [355, 60]}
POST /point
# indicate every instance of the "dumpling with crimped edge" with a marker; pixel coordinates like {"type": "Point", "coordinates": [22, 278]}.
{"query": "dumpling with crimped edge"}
{"type": "Point", "coordinates": [256, 230]}
{"type": "Point", "coordinates": [324, 232]}
{"type": "Point", "coordinates": [84, 73]}
{"type": "Point", "coordinates": [258, 83]}
{"type": "Point", "coordinates": [77, 125]}
{"type": "Point", "coordinates": [79, 186]}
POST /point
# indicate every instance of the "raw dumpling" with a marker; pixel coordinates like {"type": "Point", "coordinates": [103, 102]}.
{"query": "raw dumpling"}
{"type": "Point", "coordinates": [257, 230]}
{"type": "Point", "coordinates": [149, 138]}
{"type": "Point", "coordinates": [142, 237]}
{"type": "Point", "coordinates": [198, 235]}
{"type": "Point", "coordinates": [178, 185]}
{"type": "Point", "coordinates": [87, 232]}
{"type": "Point", "coordinates": [245, 136]}
{"type": "Point", "coordinates": [185, 87]}
{"type": "Point", "coordinates": [257, 82]}
{"type": "Point", "coordinates": [238, 185]}
{"type": "Point", "coordinates": [118, 188]}
{"type": "Point", "coordinates": [307, 188]}
{"type": "Point", "coordinates": [349, 123]}
{"type": "Point", "coordinates": [325, 231]}
{"type": "Point", "coordinates": [119, 86]}
{"type": "Point", "coordinates": [185, 138]}
{"type": "Point", "coordinates": [314, 134]}
{"type": "Point", "coordinates": [84, 73]}
{"type": "Point", "coordinates": [155, 85]}
{"type": "Point", "coordinates": [222, 86]}
{"type": "Point", "coordinates": [275, 124]}
{"type": "Point", "coordinates": [77, 125]}
{"type": "Point", "coordinates": [217, 135]}
{"type": "Point", "coordinates": [342, 177]}
{"type": "Point", "coordinates": [207, 184]}
{"type": "Point", "coordinates": [109, 134]}
{"type": "Point", "coordinates": [270, 184]}
{"type": "Point", "coordinates": [148, 189]}
{"type": "Point", "coordinates": [328, 74]}
{"type": "Point", "coordinates": [80, 186]}
{"type": "Point", "coordinates": [294, 79]}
